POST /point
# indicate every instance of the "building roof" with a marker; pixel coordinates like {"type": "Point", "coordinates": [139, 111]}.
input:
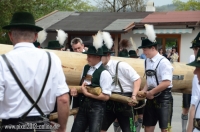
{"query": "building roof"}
{"type": "Point", "coordinates": [173, 17]}
{"type": "Point", "coordinates": [93, 21]}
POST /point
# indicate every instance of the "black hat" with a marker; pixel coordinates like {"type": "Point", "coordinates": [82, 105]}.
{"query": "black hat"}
{"type": "Point", "coordinates": [23, 20]}
{"type": "Point", "coordinates": [147, 43]}
{"type": "Point", "coordinates": [196, 41]}
{"type": "Point", "coordinates": [96, 48]}
{"type": "Point", "coordinates": [54, 45]}
{"type": "Point", "coordinates": [92, 51]}
{"type": "Point", "coordinates": [132, 53]}
{"type": "Point", "coordinates": [151, 37]}
{"type": "Point", "coordinates": [123, 53]}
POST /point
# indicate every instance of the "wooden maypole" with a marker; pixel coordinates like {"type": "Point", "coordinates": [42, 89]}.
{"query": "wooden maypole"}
{"type": "Point", "coordinates": [73, 64]}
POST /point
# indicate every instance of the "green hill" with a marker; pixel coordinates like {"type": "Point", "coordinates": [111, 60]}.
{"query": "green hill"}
{"type": "Point", "coordinates": [166, 8]}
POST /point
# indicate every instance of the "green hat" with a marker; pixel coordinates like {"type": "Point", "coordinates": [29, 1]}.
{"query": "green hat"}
{"type": "Point", "coordinates": [123, 53]}
{"type": "Point", "coordinates": [196, 41]}
{"type": "Point", "coordinates": [147, 43]}
{"type": "Point", "coordinates": [37, 44]}
{"type": "Point", "coordinates": [92, 51]}
{"type": "Point", "coordinates": [54, 45]}
{"type": "Point", "coordinates": [196, 62]}
{"type": "Point", "coordinates": [23, 20]}
{"type": "Point", "coordinates": [132, 53]}
{"type": "Point", "coordinates": [106, 50]}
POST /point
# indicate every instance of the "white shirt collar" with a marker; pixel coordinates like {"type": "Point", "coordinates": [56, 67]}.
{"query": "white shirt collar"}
{"type": "Point", "coordinates": [108, 64]}
{"type": "Point", "coordinates": [98, 65]}
{"type": "Point", "coordinates": [24, 44]}
{"type": "Point", "coordinates": [157, 56]}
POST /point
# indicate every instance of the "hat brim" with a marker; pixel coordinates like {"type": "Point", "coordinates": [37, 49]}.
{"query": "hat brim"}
{"type": "Point", "coordinates": [92, 54]}
{"type": "Point", "coordinates": [140, 47]}
{"type": "Point", "coordinates": [23, 25]}
{"type": "Point", "coordinates": [194, 63]}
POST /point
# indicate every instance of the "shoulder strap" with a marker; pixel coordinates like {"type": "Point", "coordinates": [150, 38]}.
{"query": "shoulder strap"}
{"type": "Point", "coordinates": [156, 72]}
{"type": "Point", "coordinates": [117, 79]}
{"type": "Point", "coordinates": [24, 90]}
{"type": "Point", "coordinates": [145, 65]}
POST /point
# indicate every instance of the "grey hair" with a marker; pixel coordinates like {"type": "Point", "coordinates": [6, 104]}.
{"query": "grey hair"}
{"type": "Point", "coordinates": [76, 40]}
{"type": "Point", "coordinates": [22, 34]}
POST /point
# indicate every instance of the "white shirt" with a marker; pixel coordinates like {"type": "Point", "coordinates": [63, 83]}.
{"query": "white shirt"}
{"type": "Point", "coordinates": [164, 70]}
{"type": "Point", "coordinates": [30, 64]}
{"type": "Point", "coordinates": [105, 79]}
{"type": "Point", "coordinates": [126, 75]}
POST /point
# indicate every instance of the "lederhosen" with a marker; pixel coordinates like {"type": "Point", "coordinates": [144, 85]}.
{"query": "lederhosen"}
{"type": "Point", "coordinates": [186, 100]}
{"type": "Point", "coordinates": [123, 112]}
{"type": "Point", "coordinates": [28, 123]}
{"type": "Point", "coordinates": [160, 107]}
{"type": "Point", "coordinates": [196, 121]}
{"type": "Point", "coordinates": [91, 110]}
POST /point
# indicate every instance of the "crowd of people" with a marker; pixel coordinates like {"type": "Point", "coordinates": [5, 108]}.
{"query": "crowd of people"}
{"type": "Point", "coordinates": [27, 96]}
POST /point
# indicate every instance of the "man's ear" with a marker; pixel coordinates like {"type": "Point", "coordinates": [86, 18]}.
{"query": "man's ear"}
{"type": "Point", "coordinates": [35, 37]}
{"type": "Point", "coordinates": [10, 36]}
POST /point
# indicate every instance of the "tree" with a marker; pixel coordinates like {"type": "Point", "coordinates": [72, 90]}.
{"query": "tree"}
{"type": "Point", "coordinates": [39, 8]}
{"type": "Point", "coordinates": [120, 5]}
{"type": "Point", "coordinates": [190, 5]}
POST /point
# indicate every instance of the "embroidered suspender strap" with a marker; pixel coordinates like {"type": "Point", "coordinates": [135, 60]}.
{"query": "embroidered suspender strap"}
{"type": "Point", "coordinates": [24, 90]}
{"type": "Point", "coordinates": [116, 78]}
{"type": "Point", "coordinates": [156, 72]}
{"type": "Point", "coordinates": [145, 64]}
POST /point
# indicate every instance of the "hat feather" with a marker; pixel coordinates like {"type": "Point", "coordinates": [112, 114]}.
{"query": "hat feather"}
{"type": "Point", "coordinates": [61, 36]}
{"type": "Point", "coordinates": [98, 40]}
{"type": "Point", "coordinates": [42, 35]}
{"type": "Point", "coordinates": [133, 44]}
{"type": "Point", "coordinates": [150, 32]}
{"type": "Point", "coordinates": [107, 39]}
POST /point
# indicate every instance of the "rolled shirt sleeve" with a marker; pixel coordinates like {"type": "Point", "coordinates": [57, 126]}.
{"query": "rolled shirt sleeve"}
{"type": "Point", "coordinates": [128, 71]}
{"type": "Point", "coordinates": [166, 70]}
{"type": "Point", "coordinates": [60, 79]}
{"type": "Point", "coordinates": [105, 82]}
{"type": "Point", "coordinates": [195, 90]}
{"type": "Point", "coordinates": [1, 85]}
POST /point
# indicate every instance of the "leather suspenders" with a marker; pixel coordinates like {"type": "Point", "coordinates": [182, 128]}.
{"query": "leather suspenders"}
{"type": "Point", "coordinates": [117, 79]}
{"type": "Point", "coordinates": [24, 90]}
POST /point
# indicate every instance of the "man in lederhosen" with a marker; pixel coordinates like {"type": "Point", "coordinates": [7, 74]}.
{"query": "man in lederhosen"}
{"type": "Point", "coordinates": [195, 88]}
{"type": "Point", "coordinates": [195, 114]}
{"type": "Point", "coordinates": [159, 72]}
{"type": "Point", "coordinates": [26, 96]}
{"type": "Point", "coordinates": [92, 108]}
{"type": "Point", "coordinates": [126, 82]}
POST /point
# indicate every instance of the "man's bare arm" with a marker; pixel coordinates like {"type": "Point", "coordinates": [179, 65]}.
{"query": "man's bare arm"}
{"type": "Point", "coordinates": [63, 111]}
{"type": "Point", "coordinates": [191, 117]}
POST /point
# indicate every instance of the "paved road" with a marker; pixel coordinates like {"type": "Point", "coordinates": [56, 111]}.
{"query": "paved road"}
{"type": "Point", "coordinates": [176, 119]}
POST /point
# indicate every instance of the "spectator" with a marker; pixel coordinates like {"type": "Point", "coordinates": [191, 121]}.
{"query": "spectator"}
{"type": "Point", "coordinates": [162, 53]}
{"type": "Point", "coordinates": [77, 45]}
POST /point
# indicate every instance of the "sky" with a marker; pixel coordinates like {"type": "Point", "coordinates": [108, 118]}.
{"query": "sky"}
{"type": "Point", "coordinates": [164, 2]}
{"type": "Point", "coordinates": [156, 2]}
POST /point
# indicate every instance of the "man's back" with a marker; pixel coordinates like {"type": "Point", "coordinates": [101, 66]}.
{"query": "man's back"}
{"type": "Point", "coordinates": [30, 64]}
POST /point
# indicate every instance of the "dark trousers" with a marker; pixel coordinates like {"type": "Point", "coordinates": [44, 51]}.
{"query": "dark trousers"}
{"type": "Point", "coordinates": [123, 113]}
{"type": "Point", "coordinates": [16, 125]}
{"type": "Point", "coordinates": [159, 109]}
{"type": "Point", "coordinates": [89, 114]}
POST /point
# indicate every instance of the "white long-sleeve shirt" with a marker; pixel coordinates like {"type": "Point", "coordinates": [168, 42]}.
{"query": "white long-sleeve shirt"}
{"type": "Point", "coordinates": [30, 64]}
